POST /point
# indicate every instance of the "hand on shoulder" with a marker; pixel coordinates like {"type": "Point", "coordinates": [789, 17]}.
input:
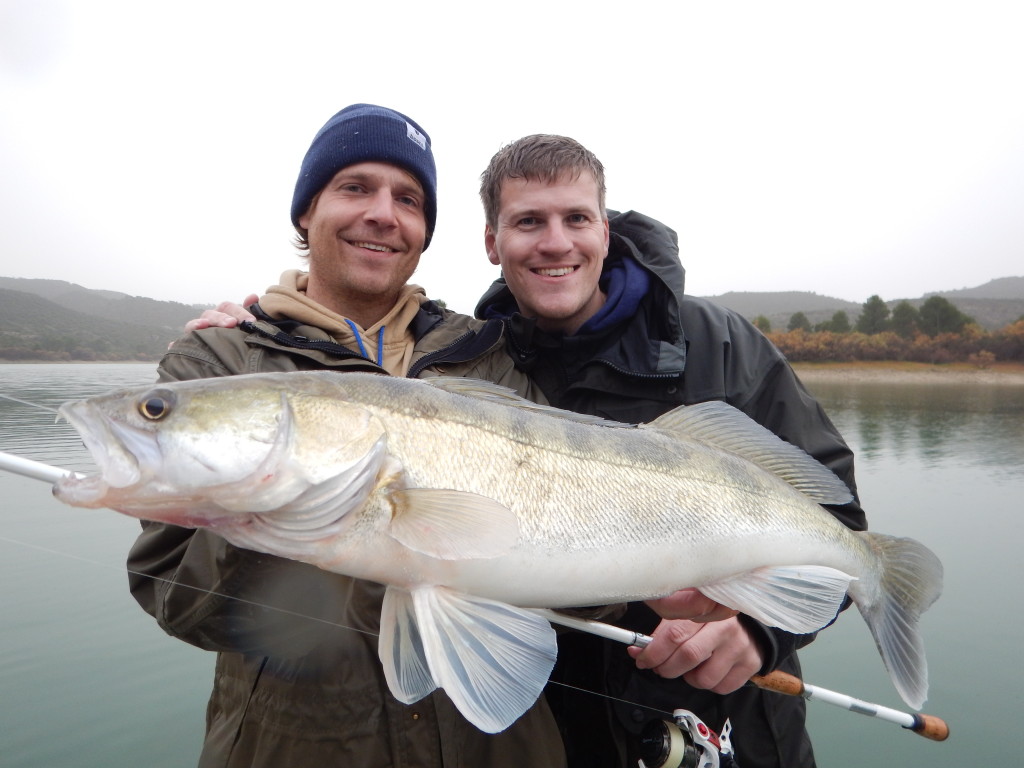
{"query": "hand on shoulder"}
{"type": "Point", "coordinates": [226, 315]}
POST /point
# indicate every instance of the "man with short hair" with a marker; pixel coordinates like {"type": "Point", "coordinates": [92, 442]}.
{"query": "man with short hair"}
{"type": "Point", "coordinates": [596, 315]}
{"type": "Point", "coordinates": [298, 681]}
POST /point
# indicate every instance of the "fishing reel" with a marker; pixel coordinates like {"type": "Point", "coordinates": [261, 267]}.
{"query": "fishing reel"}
{"type": "Point", "coordinates": [685, 742]}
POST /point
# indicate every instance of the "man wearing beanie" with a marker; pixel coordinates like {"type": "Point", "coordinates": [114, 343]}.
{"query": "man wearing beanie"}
{"type": "Point", "coordinates": [298, 681]}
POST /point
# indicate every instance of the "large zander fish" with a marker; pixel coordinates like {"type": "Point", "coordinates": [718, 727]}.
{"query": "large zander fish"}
{"type": "Point", "coordinates": [473, 505]}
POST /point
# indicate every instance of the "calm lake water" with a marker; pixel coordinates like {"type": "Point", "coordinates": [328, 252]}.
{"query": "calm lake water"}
{"type": "Point", "coordinates": [87, 678]}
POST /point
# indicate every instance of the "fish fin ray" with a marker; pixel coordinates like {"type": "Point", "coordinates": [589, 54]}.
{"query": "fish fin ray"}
{"type": "Point", "coordinates": [721, 425]}
{"type": "Point", "coordinates": [798, 599]}
{"type": "Point", "coordinates": [452, 525]}
{"type": "Point", "coordinates": [495, 393]}
{"type": "Point", "coordinates": [492, 659]}
{"type": "Point", "coordinates": [317, 513]}
{"type": "Point", "coordinates": [401, 648]}
{"type": "Point", "coordinates": [910, 581]}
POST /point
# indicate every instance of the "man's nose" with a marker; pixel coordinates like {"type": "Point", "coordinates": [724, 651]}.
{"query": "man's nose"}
{"type": "Point", "coordinates": [381, 208]}
{"type": "Point", "coordinates": [556, 239]}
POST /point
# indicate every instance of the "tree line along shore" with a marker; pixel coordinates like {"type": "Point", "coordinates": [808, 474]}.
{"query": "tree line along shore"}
{"type": "Point", "coordinates": [935, 333]}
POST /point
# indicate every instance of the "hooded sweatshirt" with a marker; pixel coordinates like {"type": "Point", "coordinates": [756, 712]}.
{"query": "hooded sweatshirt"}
{"type": "Point", "coordinates": [389, 342]}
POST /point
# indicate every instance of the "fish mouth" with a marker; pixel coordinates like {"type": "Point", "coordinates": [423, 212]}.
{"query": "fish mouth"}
{"type": "Point", "coordinates": [122, 454]}
{"type": "Point", "coordinates": [108, 443]}
{"type": "Point", "coordinates": [126, 458]}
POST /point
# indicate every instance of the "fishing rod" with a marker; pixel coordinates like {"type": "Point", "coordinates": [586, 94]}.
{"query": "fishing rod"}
{"type": "Point", "coordinates": [929, 726]}
{"type": "Point", "coordinates": [37, 470]}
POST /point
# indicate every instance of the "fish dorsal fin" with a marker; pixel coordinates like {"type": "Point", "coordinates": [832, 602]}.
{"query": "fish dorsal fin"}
{"type": "Point", "coordinates": [452, 525]}
{"type": "Point", "coordinates": [492, 659]}
{"type": "Point", "coordinates": [720, 425]}
{"type": "Point", "coordinates": [495, 393]}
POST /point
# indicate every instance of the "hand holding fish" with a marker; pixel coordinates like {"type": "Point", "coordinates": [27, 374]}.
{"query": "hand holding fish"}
{"type": "Point", "coordinates": [719, 656]}
{"type": "Point", "coordinates": [690, 604]}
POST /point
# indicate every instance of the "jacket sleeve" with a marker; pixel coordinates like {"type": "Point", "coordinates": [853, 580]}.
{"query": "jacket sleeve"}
{"type": "Point", "coordinates": [205, 591]}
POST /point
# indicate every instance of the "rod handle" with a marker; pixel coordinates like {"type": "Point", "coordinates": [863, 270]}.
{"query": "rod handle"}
{"type": "Point", "coordinates": [930, 726]}
{"type": "Point", "coordinates": [780, 682]}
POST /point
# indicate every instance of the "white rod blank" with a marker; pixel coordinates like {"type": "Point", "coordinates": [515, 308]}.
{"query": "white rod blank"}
{"type": "Point", "coordinates": [37, 470]}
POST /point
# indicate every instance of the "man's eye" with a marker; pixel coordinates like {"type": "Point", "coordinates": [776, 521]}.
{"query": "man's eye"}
{"type": "Point", "coordinates": [412, 202]}
{"type": "Point", "coordinates": [527, 221]}
{"type": "Point", "coordinates": [577, 218]}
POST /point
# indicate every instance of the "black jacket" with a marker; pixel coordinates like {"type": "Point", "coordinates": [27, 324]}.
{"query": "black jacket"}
{"type": "Point", "coordinates": [673, 350]}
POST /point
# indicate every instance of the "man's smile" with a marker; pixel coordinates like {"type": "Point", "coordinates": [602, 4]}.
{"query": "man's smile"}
{"type": "Point", "coordinates": [373, 246]}
{"type": "Point", "coordinates": [554, 271]}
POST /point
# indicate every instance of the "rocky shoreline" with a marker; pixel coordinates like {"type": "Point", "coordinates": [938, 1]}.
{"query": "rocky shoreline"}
{"type": "Point", "coordinates": [1006, 374]}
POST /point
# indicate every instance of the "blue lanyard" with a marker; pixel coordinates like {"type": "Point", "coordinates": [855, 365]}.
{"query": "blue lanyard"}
{"type": "Point", "coordinates": [362, 349]}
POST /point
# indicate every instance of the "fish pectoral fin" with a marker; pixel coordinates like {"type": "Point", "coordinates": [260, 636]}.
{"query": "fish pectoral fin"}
{"type": "Point", "coordinates": [491, 658]}
{"type": "Point", "coordinates": [720, 425]}
{"type": "Point", "coordinates": [796, 598]}
{"type": "Point", "coordinates": [452, 525]}
{"type": "Point", "coordinates": [401, 648]}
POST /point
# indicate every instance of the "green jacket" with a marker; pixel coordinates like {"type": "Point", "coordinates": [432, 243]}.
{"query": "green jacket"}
{"type": "Point", "coordinates": [298, 681]}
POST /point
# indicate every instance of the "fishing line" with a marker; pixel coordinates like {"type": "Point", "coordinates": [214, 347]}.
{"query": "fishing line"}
{"type": "Point", "coordinates": [285, 611]}
{"type": "Point", "coordinates": [212, 593]}
{"type": "Point", "coordinates": [26, 402]}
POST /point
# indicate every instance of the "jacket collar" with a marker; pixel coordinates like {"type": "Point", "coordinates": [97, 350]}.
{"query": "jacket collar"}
{"type": "Point", "coordinates": [462, 344]}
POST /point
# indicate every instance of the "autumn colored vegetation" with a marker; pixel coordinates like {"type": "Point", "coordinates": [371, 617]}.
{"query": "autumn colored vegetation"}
{"type": "Point", "coordinates": [936, 333]}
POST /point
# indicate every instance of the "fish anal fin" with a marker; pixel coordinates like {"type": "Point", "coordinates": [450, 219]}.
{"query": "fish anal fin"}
{"type": "Point", "coordinates": [798, 599]}
{"type": "Point", "coordinates": [452, 525]}
{"type": "Point", "coordinates": [492, 659]}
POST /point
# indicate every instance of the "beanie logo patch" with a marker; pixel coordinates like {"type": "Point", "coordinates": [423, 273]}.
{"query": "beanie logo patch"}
{"type": "Point", "coordinates": [415, 136]}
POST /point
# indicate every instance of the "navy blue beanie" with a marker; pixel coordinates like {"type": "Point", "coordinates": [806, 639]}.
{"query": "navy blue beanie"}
{"type": "Point", "coordinates": [364, 133]}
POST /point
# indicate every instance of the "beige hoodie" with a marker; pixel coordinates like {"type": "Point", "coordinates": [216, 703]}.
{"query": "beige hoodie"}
{"type": "Point", "coordinates": [289, 300]}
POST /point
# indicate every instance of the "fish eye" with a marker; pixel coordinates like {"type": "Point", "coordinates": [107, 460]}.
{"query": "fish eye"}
{"type": "Point", "coordinates": [155, 406]}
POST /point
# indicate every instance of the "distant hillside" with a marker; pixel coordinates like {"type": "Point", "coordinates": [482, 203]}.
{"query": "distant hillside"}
{"type": "Point", "coordinates": [779, 306]}
{"type": "Point", "coordinates": [57, 320]}
{"type": "Point", "coordinates": [108, 304]}
{"type": "Point", "coordinates": [1010, 288]}
{"type": "Point", "coordinates": [53, 319]}
{"type": "Point", "coordinates": [993, 305]}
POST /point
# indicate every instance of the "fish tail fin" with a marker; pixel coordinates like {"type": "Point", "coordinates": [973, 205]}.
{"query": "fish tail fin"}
{"type": "Point", "coordinates": [909, 581]}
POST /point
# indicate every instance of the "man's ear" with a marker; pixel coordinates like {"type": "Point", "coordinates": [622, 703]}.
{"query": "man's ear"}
{"type": "Point", "coordinates": [489, 241]}
{"type": "Point", "coordinates": [304, 218]}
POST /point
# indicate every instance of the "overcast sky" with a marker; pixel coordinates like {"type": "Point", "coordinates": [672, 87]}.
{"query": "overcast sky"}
{"type": "Point", "coordinates": [842, 148]}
